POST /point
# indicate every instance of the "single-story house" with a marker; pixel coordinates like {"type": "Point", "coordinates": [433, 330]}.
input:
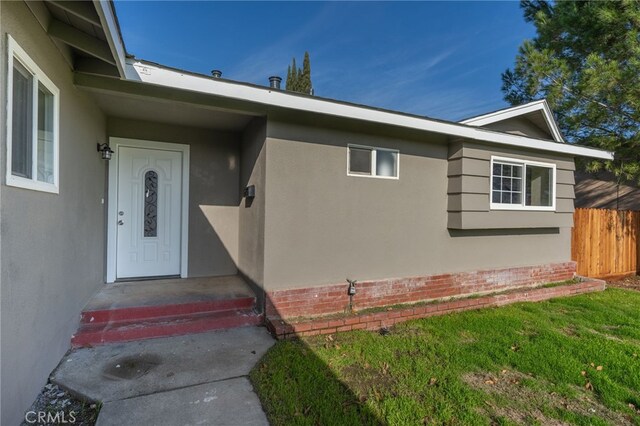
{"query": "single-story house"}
{"type": "Point", "coordinates": [216, 178]}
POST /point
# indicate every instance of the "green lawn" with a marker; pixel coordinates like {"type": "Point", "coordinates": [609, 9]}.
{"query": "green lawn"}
{"type": "Point", "coordinates": [574, 360]}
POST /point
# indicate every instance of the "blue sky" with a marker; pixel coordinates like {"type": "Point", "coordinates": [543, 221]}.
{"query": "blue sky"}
{"type": "Point", "coordinates": [440, 59]}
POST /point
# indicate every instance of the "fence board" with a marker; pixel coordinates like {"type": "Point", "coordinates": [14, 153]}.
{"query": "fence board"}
{"type": "Point", "coordinates": [604, 243]}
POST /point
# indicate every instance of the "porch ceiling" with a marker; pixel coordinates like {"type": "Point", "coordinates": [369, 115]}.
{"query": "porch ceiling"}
{"type": "Point", "coordinates": [169, 112]}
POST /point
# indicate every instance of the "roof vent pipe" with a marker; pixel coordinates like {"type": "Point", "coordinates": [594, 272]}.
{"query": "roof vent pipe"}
{"type": "Point", "coordinates": [216, 73]}
{"type": "Point", "coordinates": [274, 82]}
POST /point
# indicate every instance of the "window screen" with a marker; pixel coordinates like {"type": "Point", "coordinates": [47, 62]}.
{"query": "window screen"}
{"type": "Point", "coordinates": [360, 160]}
{"type": "Point", "coordinates": [21, 124]}
{"type": "Point", "coordinates": [539, 188]}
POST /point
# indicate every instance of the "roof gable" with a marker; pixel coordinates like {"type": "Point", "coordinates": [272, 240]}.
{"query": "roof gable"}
{"type": "Point", "coordinates": [538, 112]}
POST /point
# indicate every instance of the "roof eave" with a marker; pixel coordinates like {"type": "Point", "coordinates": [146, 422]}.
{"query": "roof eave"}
{"type": "Point", "coordinates": [111, 30]}
{"type": "Point", "coordinates": [157, 75]}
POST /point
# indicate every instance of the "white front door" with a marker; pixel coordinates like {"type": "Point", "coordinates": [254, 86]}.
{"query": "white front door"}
{"type": "Point", "coordinates": [149, 203]}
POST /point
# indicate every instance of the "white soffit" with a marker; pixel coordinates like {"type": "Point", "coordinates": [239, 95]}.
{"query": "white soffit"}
{"type": "Point", "coordinates": [153, 74]}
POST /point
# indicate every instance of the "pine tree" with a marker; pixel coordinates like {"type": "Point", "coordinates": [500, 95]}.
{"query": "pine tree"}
{"type": "Point", "coordinates": [585, 60]}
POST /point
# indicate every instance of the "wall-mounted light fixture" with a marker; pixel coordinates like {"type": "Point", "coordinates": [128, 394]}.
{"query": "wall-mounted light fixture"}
{"type": "Point", "coordinates": [105, 151]}
{"type": "Point", "coordinates": [250, 191]}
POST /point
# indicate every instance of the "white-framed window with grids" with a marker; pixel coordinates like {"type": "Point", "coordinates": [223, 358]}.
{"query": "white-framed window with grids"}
{"type": "Point", "coordinates": [522, 185]}
{"type": "Point", "coordinates": [32, 124]}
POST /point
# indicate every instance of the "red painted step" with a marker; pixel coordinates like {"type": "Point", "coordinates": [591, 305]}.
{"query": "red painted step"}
{"type": "Point", "coordinates": [125, 331]}
{"type": "Point", "coordinates": [139, 313]}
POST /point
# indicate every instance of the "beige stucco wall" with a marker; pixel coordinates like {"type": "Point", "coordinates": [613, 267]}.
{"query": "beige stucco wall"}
{"type": "Point", "coordinates": [323, 226]}
{"type": "Point", "coordinates": [52, 245]}
{"type": "Point", "coordinates": [252, 212]}
{"type": "Point", "coordinates": [213, 189]}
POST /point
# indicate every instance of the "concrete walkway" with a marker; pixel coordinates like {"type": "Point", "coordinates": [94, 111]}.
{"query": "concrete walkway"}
{"type": "Point", "coordinates": [200, 379]}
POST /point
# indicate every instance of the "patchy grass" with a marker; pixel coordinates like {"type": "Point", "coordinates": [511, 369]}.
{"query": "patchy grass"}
{"type": "Point", "coordinates": [571, 360]}
{"type": "Point", "coordinates": [561, 283]}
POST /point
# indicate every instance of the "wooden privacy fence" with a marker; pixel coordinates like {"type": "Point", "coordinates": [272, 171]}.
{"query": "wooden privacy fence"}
{"type": "Point", "coordinates": [604, 243]}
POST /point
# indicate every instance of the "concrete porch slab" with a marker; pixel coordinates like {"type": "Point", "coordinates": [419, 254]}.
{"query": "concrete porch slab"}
{"type": "Point", "coordinates": [169, 291]}
{"type": "Point", "coordinates": [226, 402]}
{"type": "Point", "coordinates": [126, 370]}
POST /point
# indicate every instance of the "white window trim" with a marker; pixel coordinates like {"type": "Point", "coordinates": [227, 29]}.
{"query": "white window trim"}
{"type": "Point", "coordinates": [374, 151]}
{"type": "Point", "coordinates": [15, 52]}
{"type": "Point", "coordinates": [522, 206]}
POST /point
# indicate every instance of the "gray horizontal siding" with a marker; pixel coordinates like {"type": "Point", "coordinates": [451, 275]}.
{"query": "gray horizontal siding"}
{"type": "Point", "coordinates": [504, 219]}
{"type": "Point", "coordinates": [480, 203]}
{"type": "Point", "coordinates": [565, 176]}
{"type": "Point", "coordinates": [480, 184]}
{"type": "Point", "coordinates": [468, 202]}
{"type": "Point", "coordinates": [469, 167]}
{"type": "Point", "coordinates": [564, 205]}
{"type": "Point", "coordinates": [565, 191]}
{"type": "Point", "coordinates": [468, 190]}
{"type": "Point", "coordinates": [484, 152]}
{"type": "Point", "coordinates": [468, 185]}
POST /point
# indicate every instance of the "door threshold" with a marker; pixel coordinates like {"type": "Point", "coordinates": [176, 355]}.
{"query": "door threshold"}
{"type": "Point", "coordinates": [153, 278]}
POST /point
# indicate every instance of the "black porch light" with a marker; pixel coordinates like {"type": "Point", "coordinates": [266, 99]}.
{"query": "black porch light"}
{"type": "Point", "coordinates": [105, 151]}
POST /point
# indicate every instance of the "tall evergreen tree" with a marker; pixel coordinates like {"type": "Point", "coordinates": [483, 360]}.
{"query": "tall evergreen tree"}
{"type": "Point", "coordinates": [585, 60]}
{"type": "Point", "coordinates": [299, 79]}
{"type": "Point", "coordinates": [305, 77]}
{"type": "Point", "coordinates": [289, 82]}
{"type": "Point", "coordinates": [293, 77]}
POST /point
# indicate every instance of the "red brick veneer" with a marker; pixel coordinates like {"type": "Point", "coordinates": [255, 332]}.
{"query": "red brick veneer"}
{"type": "Point", "coordinates": [330, 299]}
{"type": "Point", "coordinates": [376, 320]}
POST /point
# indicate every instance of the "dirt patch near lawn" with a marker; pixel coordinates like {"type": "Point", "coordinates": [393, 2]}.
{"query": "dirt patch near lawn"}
{"type": "Point", "coordinates": [628, 283]}
{"type": "Point", "coordinates": [369, 382]}
{"type": "Point", "coordinates": [605, 335]}
{"type": "Point", "coordinates": [525, 405]}
{"type": "Point", "coordinates": [570, 330]}
{"type": "Point", "coordinates": [55, 406]}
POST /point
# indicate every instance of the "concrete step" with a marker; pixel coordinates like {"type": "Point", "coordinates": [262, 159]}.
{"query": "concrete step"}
{"type": "Point", "coordinates": [156, 312]}
{"type": "Point", "coordinates": [93, 334]}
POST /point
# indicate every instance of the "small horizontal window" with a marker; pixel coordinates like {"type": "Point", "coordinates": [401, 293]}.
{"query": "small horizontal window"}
{"type": "Point", "coordinates": [372, 162]}
{"type": "Point", "coordinates": [520, 184]}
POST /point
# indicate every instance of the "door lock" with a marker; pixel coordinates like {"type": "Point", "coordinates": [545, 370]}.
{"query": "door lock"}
{"type": "Point", "coordinates": [120, 213]}
{"type": "Point", "coordinates": [121, 222]}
